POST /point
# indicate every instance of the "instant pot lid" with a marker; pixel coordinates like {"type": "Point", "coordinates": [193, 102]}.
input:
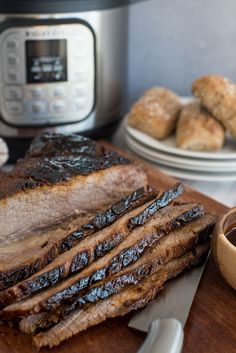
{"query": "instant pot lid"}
{"type": "Point", "coordinates": [58, 6]}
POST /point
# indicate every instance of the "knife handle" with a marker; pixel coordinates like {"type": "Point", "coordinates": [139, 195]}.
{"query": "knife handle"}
{"type": "Point", "coordinates": [164, 336]}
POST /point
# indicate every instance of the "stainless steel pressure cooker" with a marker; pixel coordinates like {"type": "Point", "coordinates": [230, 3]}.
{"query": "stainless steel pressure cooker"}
{"type": "Point", "coordinates": [62, 65]}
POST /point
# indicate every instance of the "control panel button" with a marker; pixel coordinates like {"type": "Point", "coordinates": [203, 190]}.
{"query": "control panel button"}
{"type": "Point", "coordinates": [12, 59]}
{"type": "Point", "coordinates": [82, 59]}
{"type": "Point", "coordinates": [80, 103]}
{"type": "Point", "coordinates": [58, 106]}
{"type": "Point", "coordinates": [14, 108]}
{"type": "Point", "coordinates": [80, 90]}
{"type": "Point", "coordinates": [13, 92]}
{"type": "Point", "coordinates": [36, 92]}
{"type": "Point", "coordinates": [79, 57]}
{"type": "Point", "coordinates": [80, 76]}
{"type": "Point", "coordinates": [58, 91]}
{"type": "Point", "coordinates": [80, 46]}
{"type": "Point", "coordinates": [12, 75]}
{"type": "Point", "coordinates": [37, 107]}
{"type": "Point", "coordinates": [12, 43]}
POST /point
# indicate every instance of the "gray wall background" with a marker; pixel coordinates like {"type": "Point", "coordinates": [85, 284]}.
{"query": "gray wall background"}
{"type": "Point", "coordinates": [171, 42]}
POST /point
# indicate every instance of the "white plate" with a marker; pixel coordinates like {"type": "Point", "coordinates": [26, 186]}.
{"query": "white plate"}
{"type": "Point", "coordinates": [184, 174]}
{"type": "Point", "coordinates": [199, 177]}
{"type": "Point", "coordinates": [181, 162]}
{"type": "Point", "coordinates": [169, 145]}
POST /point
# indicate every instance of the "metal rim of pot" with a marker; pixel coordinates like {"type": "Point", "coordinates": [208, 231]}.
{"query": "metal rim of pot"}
{"type": "Point", "coordinates": [59, 6]}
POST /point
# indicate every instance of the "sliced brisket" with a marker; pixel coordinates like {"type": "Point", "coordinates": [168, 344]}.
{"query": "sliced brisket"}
{"type": "Point", "coordinates": [59, 176]}
{"type": "Point", "coordinates": [88, 250]}
{"type": "Point", "coordinates": [174, 245]}
{"type": "Point", "coordinates": [140, 239]}
{"type": "Point", "coordinates": [21, 259]}
{"type": "Point", "coordinates": [134, 297]}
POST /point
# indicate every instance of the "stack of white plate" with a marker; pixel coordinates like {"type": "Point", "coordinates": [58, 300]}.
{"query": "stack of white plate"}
{"type": "Point", "coordinates": [208, 166]}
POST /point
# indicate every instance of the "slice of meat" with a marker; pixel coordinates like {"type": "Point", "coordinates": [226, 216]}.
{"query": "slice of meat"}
{"type": "Point", "coordinates": [129, 251]}
{"type": "Point", "coordinates": [23, 258]}
{"type": "Point", "coordinates": [20, 259]}
{"type": "Point", "coordinates": [174, 245]}
{"type": "Point", "coordinates": [88, 250]}
{"type": "Point", "coordinates": [133, 298]}
{"type": "Point", "coordinates": [60, 176]}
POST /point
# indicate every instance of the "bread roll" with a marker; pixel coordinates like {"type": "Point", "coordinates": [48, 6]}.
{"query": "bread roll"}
{"type": "Point", "coordinates": [197, 130]}
{"type": "Point", "coordinates": [156, 112]}
{"type": "Point", "coordinates": [218, 95]}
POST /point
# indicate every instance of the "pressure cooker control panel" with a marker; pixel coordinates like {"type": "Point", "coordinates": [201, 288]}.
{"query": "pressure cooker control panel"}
{"type": "Point", "coordinates": [47, 74]}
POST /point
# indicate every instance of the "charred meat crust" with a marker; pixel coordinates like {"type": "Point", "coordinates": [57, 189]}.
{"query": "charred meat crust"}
{"type": "Point", "coordinates": [82, 259]}
{"type": "Point", "coordinates": [13, 276]}
{"type": "Point", "coordinates": [196, 257]}
{"type": "Point", "coordinates": [53, 144]}
{"type": "Point", "coordinates": [132, 254]}
{"type": "Point", "coordinates": [132, 298]}
{"type": "Point", "coordinates": [100, 221]}
{"type": "Point", "coordinates": [161, 202]}
{"type": "Point", "coordinates": [55, 158]}
{"type": "Point", "coordinates": [61, 168]}
{"type": "Point", "coordinates": [104, 219]}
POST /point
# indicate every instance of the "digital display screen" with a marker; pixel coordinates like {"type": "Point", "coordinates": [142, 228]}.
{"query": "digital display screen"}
{"type": "Point", "coordinates": [46, 60]}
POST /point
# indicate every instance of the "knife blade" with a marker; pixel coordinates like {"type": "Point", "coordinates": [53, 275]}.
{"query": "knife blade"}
{"type": "Point", "coordinates": [166, 316]}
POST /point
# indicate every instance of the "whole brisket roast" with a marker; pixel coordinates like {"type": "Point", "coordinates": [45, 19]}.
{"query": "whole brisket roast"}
{"type": "Point", "coordinates": [59, 177]}
{"type": "Point", "coordinates": [84, 238]}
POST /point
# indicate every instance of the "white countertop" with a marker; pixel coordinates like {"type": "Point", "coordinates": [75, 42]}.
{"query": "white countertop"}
{"type": "Point", "coordinates": [224, 192]}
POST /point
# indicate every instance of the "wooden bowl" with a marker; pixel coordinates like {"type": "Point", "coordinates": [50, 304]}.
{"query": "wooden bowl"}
{"type": "Point", "coordinates": [224, 252]}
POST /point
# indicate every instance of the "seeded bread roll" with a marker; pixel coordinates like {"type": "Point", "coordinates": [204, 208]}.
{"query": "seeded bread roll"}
{"type": "Point", "coordinates": [218, 95]}
{"type": "Point", "coordinates": [156, 112]}
{"type": "Point", "coordinates": [197, 130]}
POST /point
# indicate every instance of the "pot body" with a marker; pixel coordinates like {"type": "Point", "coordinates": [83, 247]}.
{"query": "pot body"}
{"type": "Point", "coordinates": [48, 49]}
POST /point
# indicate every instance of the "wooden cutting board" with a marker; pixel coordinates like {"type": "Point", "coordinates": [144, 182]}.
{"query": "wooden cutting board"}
{"type": "Point", "coordinates": [211, 326]}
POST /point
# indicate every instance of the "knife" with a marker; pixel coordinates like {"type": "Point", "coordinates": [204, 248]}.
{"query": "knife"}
{"type": "Point", "coordinates": [165, 317]}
